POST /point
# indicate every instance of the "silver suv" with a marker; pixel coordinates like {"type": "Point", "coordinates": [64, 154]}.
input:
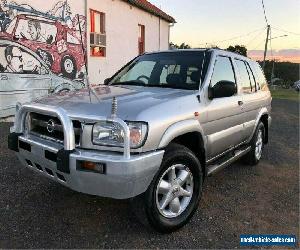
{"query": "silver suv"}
{"type": "Point", "coordinates": [152, 133]}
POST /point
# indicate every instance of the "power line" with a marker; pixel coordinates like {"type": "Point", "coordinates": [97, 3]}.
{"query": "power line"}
{"type": "Point", "coordinates": [255, 38]}
{"type": "Point", "coordinates": [259, 44]}
{"type": "Point", "coordinates": [286, 31]}
{"type": "Point", "coordinates": [230, 39]}
{"type": "Point", "coordinates": [263, 5]}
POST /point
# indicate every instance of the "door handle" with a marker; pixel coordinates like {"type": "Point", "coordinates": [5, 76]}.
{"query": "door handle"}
{"type": "Point", "coordinates": [241, 103]}
{"type": "Point", "coordinates": [4, 77]}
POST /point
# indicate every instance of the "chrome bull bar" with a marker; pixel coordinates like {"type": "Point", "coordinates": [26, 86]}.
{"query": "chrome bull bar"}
{"type": "Point", "coordinates": [61, 114]}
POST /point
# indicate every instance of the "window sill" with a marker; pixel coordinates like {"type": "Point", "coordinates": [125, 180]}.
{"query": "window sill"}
{"type": "Point", "coordinates": [97, 56]}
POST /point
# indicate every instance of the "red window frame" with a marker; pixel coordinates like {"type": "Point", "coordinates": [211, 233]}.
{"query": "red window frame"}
{"type": "Point", "coordinates": [97, 51]}
{"type": "Point", "coordinates": [141, 40]}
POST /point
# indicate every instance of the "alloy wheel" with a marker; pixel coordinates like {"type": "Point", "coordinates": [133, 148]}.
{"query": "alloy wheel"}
{"type": "Point", "coordinates": [259, 145]}
{"type": "Point", "coordinates": [174, 191]}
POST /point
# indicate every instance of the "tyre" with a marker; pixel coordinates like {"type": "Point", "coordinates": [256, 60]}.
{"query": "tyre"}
{"type": "Point", "coordinates": [174, 194]}
{"type": "Point", "coordinates": [257, 146]}
{"type": "Point", "coordinates": [68, 67]}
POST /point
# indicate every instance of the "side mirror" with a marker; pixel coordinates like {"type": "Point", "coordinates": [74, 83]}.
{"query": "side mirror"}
{"type": "Point", "coordinates": [222, 89]}
{"type": "Point", "coordinates": [106, 81]}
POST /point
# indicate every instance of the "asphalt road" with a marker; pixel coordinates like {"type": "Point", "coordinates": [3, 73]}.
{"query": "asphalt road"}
{"type": "Point", "coordinates": [37, 213]}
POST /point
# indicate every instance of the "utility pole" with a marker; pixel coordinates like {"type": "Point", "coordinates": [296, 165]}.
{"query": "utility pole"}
{"type": "Point", "coordinates": [272, 73]}
{"type": "Point", "coordinates": [266, 46]}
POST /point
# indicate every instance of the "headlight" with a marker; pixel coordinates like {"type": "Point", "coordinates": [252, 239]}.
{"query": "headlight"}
{"type": "Point", "coordinates": [108, 133]}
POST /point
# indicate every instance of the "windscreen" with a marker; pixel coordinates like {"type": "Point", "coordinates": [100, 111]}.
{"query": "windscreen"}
{"type": "Point", "coordinates": [179, 70]}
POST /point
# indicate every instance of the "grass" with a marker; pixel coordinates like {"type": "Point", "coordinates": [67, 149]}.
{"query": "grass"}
{"type": "Point", "coordinates": [287, 94]}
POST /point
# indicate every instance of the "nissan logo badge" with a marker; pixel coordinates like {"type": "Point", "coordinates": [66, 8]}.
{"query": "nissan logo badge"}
{"type": "Point", "coordinates": [50, 126]}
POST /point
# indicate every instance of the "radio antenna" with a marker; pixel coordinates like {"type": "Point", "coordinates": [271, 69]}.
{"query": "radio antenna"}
{"type": "Point", "coordinates": [86, 76]}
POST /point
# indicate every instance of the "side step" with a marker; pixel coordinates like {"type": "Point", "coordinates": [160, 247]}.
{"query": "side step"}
{"type": "Point", "coordinates": [217, 167]}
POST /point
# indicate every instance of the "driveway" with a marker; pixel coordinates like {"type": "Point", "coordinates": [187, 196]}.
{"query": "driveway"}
{"type": "Point", "coordinates": [38, 213]}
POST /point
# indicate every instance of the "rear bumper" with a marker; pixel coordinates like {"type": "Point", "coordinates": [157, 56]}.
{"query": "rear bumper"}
{"type": "Point", "coordinates": [123, 178]}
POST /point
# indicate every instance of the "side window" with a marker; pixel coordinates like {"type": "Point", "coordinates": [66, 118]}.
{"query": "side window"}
{"type": "Point", "coordinates": [252, 79]}
{"type": "Point", "coordinates": [223, 71]}
{"type": "Point", "coordinates": [141, 71]}
{"type": "Point", "coordinates": [260, 77]}
{"type": "Point", "coordinates": [244, 76]}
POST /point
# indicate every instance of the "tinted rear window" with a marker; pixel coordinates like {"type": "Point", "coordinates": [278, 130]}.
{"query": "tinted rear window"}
{"type": "Point", "coordinates": [244, 76]}
{"type": "Point", "coordinates": [259, 76]}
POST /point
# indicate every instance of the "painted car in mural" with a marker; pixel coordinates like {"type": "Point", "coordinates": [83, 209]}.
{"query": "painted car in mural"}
{"type": "Point", "coordinates": [54, 42]}
{"type": "Point", "coordinates": [24, 77]}
{"type": "Point", "coordinates": [56, 35]}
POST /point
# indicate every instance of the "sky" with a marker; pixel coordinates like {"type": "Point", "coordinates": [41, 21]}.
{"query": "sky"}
{"type": "Point", "coordinates": [210, 22]}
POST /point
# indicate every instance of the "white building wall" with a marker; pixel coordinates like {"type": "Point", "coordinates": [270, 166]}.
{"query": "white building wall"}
{"type": "Point", "coordinates": [122, 34]}
{"type": "Point", "coordinates": [121, 27]}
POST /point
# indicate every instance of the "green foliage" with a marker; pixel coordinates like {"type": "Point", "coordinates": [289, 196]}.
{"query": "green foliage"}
{"type": "Point", "coordinates": [240, 49]}
{"type": "Point", "coordinates": [181, 46]}
{"type": "Point", "coordinates": [287, 71]}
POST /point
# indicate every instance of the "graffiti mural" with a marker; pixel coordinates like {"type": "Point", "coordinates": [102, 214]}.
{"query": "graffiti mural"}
{"type": "Point", "coordinates": [41, 52]}
{"type": "Point", "coordinates": [54, 34]}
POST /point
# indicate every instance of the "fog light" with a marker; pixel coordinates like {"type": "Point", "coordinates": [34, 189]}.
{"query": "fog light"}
{"type": "Point", "coordinates": [93, 166]}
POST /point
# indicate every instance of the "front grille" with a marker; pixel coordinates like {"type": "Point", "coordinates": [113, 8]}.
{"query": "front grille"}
{"type": "Point", "coordinates": [50, 128]}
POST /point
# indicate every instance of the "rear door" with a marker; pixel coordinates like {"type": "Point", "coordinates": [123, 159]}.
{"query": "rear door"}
{"type": "Point", "coordinates": [250, 97]}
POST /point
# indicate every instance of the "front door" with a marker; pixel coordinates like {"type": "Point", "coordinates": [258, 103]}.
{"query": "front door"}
{"type": "Point", "coordinates": [224, 124]}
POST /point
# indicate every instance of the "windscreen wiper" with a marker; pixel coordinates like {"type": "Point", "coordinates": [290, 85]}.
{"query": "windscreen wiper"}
{"type": "Point", "coordinates": [167, 86]}
{"type": "Point", "coordinates": [131, 83]}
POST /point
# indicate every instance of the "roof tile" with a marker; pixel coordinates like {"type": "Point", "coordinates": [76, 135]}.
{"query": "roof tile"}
{"type": "Point", "coordinates": [151, 8]}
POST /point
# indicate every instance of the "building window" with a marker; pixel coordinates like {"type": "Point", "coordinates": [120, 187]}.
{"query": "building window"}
{"type": "Point", "coordinates": [97, 34]}
{"type": "Point", "coordinates": [141, 42]}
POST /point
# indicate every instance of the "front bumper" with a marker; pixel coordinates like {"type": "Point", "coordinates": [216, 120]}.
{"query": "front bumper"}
{"type": "Point", "coordinates": [126, 175]}
{"type": "Point", "coordinates": [123, 178]}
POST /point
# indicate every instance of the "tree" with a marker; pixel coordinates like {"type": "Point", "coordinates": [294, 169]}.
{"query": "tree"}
{"type": "Point", "coordinates": [181, 46]}
{"type": "Point", "coordinates": [287, 71]}
{"type": "Point", "coordinates": [240, 49]}
{"type": "Point", "coordinates": [173, 46]}
{"type": "Point", "coordinates": [184, 46]}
